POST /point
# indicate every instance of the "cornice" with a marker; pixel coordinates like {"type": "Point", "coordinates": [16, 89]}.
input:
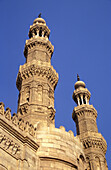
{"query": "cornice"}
{"type": "Point", "coordinates": [83, 91]}
{"type": "Point", "coordinates": [36, 27]}
{"type": "Point", "coordinates": [94, 140]}
{"type": "Point", "coordinates": [38, 42]}
{"type": "Point", "coordinates": [39, 70]}
{"type": "Point", "coordinates": [18, 135]}
{"type": "Point", "coordinates": [84, 109]}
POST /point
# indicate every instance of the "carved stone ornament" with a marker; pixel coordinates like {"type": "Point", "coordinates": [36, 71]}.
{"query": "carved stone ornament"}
{"type": "Point", "coordinates": [31, 130]}
{"type": "Point", "coordinates": [51, 113]}
{"type": "Point", "coordinates": [21, 124]}
{"type": "Point", "coordinates": [9, 145]}
{"type": "Point", "coordinates": [95, 143]}
{"type": "Point", "coordinates": [23, 109]}
{"type": "Point", "coordinates": [27, 127]}
{"type": "Point", "coordinates": [2, 108]}
{"type": "Point", "coordinates": [15, 119]}
{"type": "Point", "coordinates": [8, 113]}
{"type": "Point", "coordinates": [47, 72]}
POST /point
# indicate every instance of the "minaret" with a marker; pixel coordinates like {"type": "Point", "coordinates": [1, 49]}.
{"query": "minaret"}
{"type": "Point", "coordinates": [85, 116]}
{"type": "Point", "coordinates": [37, 79]}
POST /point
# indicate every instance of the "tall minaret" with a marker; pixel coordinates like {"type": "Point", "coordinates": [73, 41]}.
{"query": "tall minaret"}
{"type": "Point", "coordinates": [85, 116]}
{"type": "Point", "coordinates": [37, 79]}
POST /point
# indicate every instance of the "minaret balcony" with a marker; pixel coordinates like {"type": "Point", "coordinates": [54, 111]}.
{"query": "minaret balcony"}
{"type": "Point", "coordinates": [40, 44]}
{"type": "Point", "coordinates": [27, 71]}
{"type": "Point", "coordinates": [93, 140]}
{"type": "Point", "coordinates": [85, 109]}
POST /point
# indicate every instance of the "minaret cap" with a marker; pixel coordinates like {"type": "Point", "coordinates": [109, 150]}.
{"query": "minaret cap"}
{"type": "Point", "coordinates": [79, 83]}
{"type": "Point", "coordinates": [39, 20]}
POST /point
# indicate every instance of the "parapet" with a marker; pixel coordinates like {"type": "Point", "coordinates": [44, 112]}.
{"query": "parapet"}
{"type": "Point", "coordinates": [15, 122]}
{"type": "Point", "coordinates": [23, 131]}
{"type": "Point", "coordinates": [59, 147]}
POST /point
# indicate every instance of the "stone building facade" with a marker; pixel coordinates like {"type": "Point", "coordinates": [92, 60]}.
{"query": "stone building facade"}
{"type": "Point", "coordinates": [29, 139]}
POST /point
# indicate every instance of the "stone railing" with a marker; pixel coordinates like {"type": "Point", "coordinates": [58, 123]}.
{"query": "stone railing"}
{"type": "Point", "coordinates": [94, 140]}
{"type": "Point", "coordinates": [36, 69]}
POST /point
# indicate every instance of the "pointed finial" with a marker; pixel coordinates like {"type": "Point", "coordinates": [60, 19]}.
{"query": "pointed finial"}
{"type": "Point", "coordinates": [78, 78]}
{"type": "Point", "coordinates": [39, 16]}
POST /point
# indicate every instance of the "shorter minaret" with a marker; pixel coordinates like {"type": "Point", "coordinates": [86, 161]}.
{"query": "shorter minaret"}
{"type": "Point", "coordinates": [85, 116]}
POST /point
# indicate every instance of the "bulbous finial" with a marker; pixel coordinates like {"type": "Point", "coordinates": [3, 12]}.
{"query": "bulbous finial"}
{"type": "Point", "coordinates": [78, 78]}
{"type": "Point", "coordinates": [79, 83]}
{"type": "Point", "coordinates": [39, 16]}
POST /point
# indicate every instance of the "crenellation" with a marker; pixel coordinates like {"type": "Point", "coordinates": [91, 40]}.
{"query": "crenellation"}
{"type": "Point", "coordinates": [2, 111]}
{"type": "Point", "coordinates": [8, 113]}
{"type": "Point", "coordinates": [62, 128]}
{"type": "Point", "coordinates": [15, 122]}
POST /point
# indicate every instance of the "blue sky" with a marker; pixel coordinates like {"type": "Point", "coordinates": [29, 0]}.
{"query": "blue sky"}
{"type": "Point", "coordinates": [81, 35]}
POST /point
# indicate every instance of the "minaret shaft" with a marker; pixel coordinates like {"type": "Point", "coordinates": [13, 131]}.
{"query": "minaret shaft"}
{"type": "Point", "coordinates": [85, 116]}
{"type": "Point", "coordinates": [37, 79]}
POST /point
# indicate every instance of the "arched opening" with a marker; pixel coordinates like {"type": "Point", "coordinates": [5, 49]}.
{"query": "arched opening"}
{"type": "Point", "coordinates": [40, 33]}
{"type": "Point", "coordinates": [82, 157]}
{"type": "Point", "coordinates": [84, 100]}
{"type": "Point", "coordinates": [80, 100]}
{"type": "Point", "coordinates": [45, 34]}
{"type": "Point", "coordinates": [35, 32]}
{"type": "Point", "coordinates": [88, 163]}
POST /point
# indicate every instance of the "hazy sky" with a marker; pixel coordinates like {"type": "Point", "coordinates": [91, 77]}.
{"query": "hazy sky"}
{"type": "Point", "coordinates": [81, 35]}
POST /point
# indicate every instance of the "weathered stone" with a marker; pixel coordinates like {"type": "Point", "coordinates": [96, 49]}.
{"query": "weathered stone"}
{"type": "Point", "coordinates": [29, 139]}
{"type": "Point", "coordinates": [85, 116]}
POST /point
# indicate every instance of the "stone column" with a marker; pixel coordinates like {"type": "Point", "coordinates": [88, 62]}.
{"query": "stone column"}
{"type": "Point", "coordinates": [37, 32]}
{"type": "Point", "coordinates": [82, 99]}
{"type": "Point", "coordinates": [42, 33]}
{"type": "Point", "coordinates": [86, 99]}
{"type": "Point", "coordinates": [78, 101]}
